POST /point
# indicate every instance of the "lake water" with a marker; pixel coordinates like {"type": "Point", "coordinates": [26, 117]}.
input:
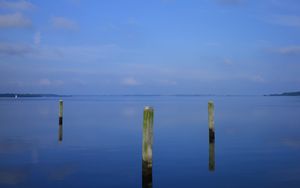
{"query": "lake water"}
{"type": "Point", "coordinates": [257, 142]}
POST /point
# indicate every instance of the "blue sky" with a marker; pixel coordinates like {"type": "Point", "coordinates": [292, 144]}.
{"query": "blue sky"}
{"type": "Point", "coordinates": [149, 46]}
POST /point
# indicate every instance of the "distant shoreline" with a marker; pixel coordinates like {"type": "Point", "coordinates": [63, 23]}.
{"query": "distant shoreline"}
{"type": "Point", "coordinates": [28, 95]}
{"type": "Point", "coordinates": [297, 93]}
{"type": "Point", "coordinates": [16, 95]}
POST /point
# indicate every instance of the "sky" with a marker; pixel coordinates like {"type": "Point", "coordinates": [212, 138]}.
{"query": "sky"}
{"type": "Point", "coordinates": [149, 46]}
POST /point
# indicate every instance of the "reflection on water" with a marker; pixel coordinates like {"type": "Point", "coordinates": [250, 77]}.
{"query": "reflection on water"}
{"type": "Point", "coordinates": [60, 133]}
{"type": "Point", "coordinates": [146, 175]}
{"type": "Point", "coordinates": [211, 163]}
{"type": "Point", "coordinates": [259, 136]}
{"type": "Point", "coordinates": [291, 142]}
{"type": "Point", "coordinates": [12, 176]}
{"type": "Point", "coordinates": [60, 122]}
{"type": "Point", "coordinates": [61, 172]}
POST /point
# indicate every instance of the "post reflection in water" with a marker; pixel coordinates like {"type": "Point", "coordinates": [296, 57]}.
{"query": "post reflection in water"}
{"type": "Point", "coordinates": [211, 163]}
{"type": "Point", "coordinates": [60, 133]}
{"type": "Point", "coordinates": [60, 121]}
{"type": "Point", "coordinates": [147, 175]}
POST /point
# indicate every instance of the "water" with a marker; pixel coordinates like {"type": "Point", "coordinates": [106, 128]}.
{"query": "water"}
{"type": "Point", "coordinates": [257, 142]}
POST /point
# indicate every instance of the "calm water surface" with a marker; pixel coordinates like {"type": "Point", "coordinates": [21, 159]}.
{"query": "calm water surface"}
{"type": "Point", "coordinates": [257, 142]}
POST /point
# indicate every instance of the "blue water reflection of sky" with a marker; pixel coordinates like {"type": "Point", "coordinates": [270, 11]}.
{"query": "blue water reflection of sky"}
{"type": "Point", "coordinates": [257, 142]}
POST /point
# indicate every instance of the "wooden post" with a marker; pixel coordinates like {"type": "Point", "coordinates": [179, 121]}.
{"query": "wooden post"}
{"type": "Point", "coordinates": [211, 128]}
{"type": "Point", "coordinates": [60, 112]}
{"type": "Point", "coordinates": [148, 135]}
{"type": "Point", "coordinates": [211, 163]}
{"type": "Point", "coordinates": [211, 122]}
{"type": "Point", "coordinates": [147, 147]}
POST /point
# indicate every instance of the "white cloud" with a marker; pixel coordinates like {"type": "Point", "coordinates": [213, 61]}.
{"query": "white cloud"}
{"type": "Point", "coordinates": [15, 49]}
{"type": "Point", "coordinates": [37, 38]}
{"type": "Point", "coordinates": [289, 50]}
{"type": "Point", "coordinates": [132, 21]}
{"type": "Point", "coordinates": [286, 5]}
{"type": "Point", "coordinates": [14, 20]}
{"type": "Point", "coordinates": [97, 53]}
{"type": "Point", "coordinates": [63, 23]}
{"type": "Point", "coordinates": [75, 2]}
{"type": "Point", "coordinates": [16, 5]}
{"type": "Point", "coordinates": [92, 54]}
{"type": "Point", "coordinates": [47, 82]}
{"type": "Point", "coordinates": [285, 20]}
{"type": "Point", "coordinates": [230, 2]}
{"type": "Point", "coordinates": [228, 61]}
{"type": "Point", "coordinates": [44, 82]}
{"type": "Point", "coordinates": [130, 82]}
{"type": "Point", "coordinates": [168, 82]}
{"type": "Point", "coordinates": [257, 78]}
{"type": "Point", "coordinates": [168, 1]}
{"type": "Point", "coordinates": [213, 44]}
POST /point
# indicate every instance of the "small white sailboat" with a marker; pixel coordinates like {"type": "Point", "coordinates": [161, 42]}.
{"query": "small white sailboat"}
{"type": "Point", "coordinates": [16, 96]}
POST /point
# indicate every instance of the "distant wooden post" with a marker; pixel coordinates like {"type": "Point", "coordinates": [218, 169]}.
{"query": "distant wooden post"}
{"type": "Point", "coordinates": [147, 147]}
{"type": "Point", "coordinates": [61, 112]}
{"type": "Point", "coordinates": [211, 122]}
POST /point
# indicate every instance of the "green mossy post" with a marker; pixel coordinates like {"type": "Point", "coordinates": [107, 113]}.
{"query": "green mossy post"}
{"type": "Point", "coordinates": [147, 147]}
{"type": "Point", "coordinates": [211, 163]}
{"type": "Point", "coordinates": [211, 122]}
{"type": "Point", "coordinates": [60, 115]}
{"type": "Point", "coordinates": [148, 135]}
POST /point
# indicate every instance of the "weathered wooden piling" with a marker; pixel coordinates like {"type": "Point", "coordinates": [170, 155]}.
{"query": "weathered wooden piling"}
{"type": "Point", "coordinates": [211, 163]}
{"type": "Point", "coordinates": [60, 115]}
{"type": "Point", "coordinates": [211, 122]}
{"type": "Point", "coordinates": [148, 135]}
{"type": "Point", "coordinates": [147, 147]}
{"type": "Point", "coordinates": [211, 128]}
